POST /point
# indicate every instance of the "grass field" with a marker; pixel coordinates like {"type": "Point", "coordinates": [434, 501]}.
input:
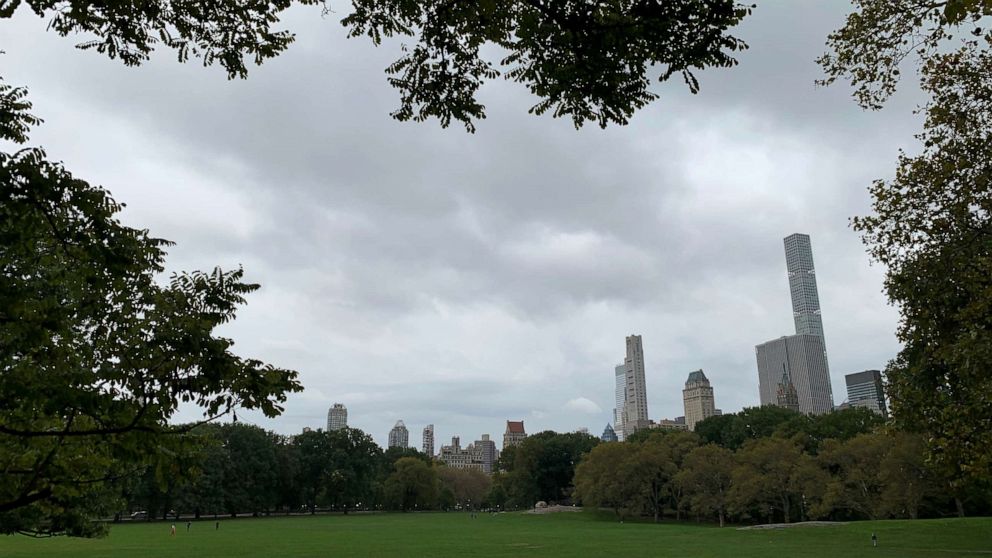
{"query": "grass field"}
{"type": "Point", "coordinates": [457, 534]}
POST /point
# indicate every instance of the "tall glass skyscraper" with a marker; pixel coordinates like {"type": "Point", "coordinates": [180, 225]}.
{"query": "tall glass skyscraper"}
{"type": "Point", "coordinates": [802, 284]}
{"type": "Point", "coordinates": [793, 370]}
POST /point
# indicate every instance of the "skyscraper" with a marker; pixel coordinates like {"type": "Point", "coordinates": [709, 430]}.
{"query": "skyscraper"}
{"type": "Point", "coordinates": [609, 435]}
{"type": "Point", "coordinates": [428, 447]}
{"type": "Point", "coordinates": [620, 390]}
{"type": "Point", "coordinates": [864, 389]}
{"type": "Point", "coordinates": [795, 363]}
{"type": "Point", "coordinates": [485, 450]}
{"type": "Point", "coordinates": [633, 410]}
{"type": "Point", "coordinates": [514, 434]}
{"type": "Point", "coordinates": [793, 370]}
{"type": "Point", "coordinates": [697, 397]}
{"type": "Point", "coordinates": [399, 436]}
{"type": "Point", "coordinates": [802, 284]}
{"type": "Point", "coordinates": [337, 417]}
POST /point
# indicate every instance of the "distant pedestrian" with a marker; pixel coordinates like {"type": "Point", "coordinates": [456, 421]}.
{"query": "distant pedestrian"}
{"type": "Point", "coordinates": [216, 525]}
{"type": "Point", "coordinates": [173, 533]}
{"type": "Point", "coordinates": [188, 524]}
{"type": "Point", "coordinates": [874, 540]}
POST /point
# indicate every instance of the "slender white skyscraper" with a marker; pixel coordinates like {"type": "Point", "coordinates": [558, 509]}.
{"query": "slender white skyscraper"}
{"type": "Point", "coordinates": [620, 390]}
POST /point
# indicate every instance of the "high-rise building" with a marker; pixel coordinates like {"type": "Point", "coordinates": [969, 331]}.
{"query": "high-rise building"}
{"type": "Point", "coordinates": [620, 391]}
{"type": "Point", "coordinates": [399, 436]}
{"type": "Point", "coordinates": [479, 455]}
{"type": "Point", "coordinates": [864, 389]}
{"type": "Point", "coordinates": [428, 447]}
{"type": "Point", "coordinates": [634, 410]}
{"type": "Point", "coordinates": [514, 433]}
{"type": "Point", "coordinates": [337, 417]}
{"type": "Point", "coordinates": [485, 450]}
{"type": "Point", "coordinates": [802, 284]}
{"type": "Point", "coordinates": [792, 370]}
{"type": "Point", "coordinates": [697, 397]}
{"type": "Point", "coordinates": [609, 435]}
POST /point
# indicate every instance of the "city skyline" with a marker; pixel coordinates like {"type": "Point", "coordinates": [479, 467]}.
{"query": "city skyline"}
{"type": "Point", "coordinates": [456, 285]}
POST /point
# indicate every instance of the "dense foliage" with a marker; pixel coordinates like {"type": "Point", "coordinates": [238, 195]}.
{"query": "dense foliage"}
{"type": "Point", "coordinates": [96, 355]}
{"type": "Point", "coordinates": [775, 472]}
{"type": "Point", "coordinates": [932, 226]}
{"type": "Point", "coordinates": [590, 61]}
{"type": "Point", "coordinates": [242, 469]}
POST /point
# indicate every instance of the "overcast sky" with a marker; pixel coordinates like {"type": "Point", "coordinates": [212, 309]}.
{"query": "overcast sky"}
{"type": "Point", "coordinates": [430, 275]}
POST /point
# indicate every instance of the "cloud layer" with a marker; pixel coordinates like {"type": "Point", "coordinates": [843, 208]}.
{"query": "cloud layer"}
{"type": "Point", "coordinates": [430, 275]}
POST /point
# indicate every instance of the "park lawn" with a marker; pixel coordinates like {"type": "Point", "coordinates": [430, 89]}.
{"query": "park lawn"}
{"type": "Point", "coordinates": [510, 534]}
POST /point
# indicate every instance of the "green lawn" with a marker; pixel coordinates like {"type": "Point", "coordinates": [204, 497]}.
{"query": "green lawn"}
{"type": "Point", "coordinates": [565, 534]}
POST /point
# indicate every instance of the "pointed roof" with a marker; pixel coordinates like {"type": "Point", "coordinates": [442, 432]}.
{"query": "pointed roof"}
{"type": "Point", "coordinates": [515, 427]}
{"type": "Point", "coordinates": [696, 376]}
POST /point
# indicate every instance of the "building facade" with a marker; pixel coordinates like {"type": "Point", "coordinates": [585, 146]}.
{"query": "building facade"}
{"type": "Point", "coordinates": [428, 441]}
{"type": "Point", "coordinates": [864, 389]}
{"type": "Point", "coordinates": [634, 408]}
{"type": "Point", "coordinates": [697, 398]}
{"type": "Point", "coordinates": [609, 435]}
{"type": "Point", "coordinates": [795, 367]}
{"type": "Point", "coordinates": [484, 451]}
{"type": "Point", "coordinates": [337, 417]}
{"type": "Point", "coordinates": [514, 434]}
{"type": "Point", "coordinates": [620, 394]}
{"type": "Point", "coordinates": [793, 371]}
{"type": "Point", "coordinates": [480, 455]}
{"type": "Point", "coordinates": [802, 284]}
{"type": "Point", "coordinates": [668, 424]}
{"type": "Point", "coordinates": [399, 436]}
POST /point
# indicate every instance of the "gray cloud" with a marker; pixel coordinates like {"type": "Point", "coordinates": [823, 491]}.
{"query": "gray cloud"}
{"type": "Point", "coordinates": [440, 277]}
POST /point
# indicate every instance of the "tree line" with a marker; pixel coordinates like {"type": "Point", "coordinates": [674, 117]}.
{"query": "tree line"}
{"type": "Point", "coordinates": [763, 464]}
{"type": "Point", "coordinates": [242, 469]}
{"type": "Point", "coordinates": [770, 464]}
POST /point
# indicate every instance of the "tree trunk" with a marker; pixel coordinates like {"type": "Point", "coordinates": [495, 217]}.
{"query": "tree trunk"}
{"type": "Point", "coordinates": [959, 505]}
{"type": "Point", "coordinates": [785, 508]}
{"type": "Point", "coordinates": [721, 517]}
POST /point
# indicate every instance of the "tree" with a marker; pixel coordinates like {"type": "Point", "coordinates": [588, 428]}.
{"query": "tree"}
{"type": "Point", "coordinates": [706, 477]}
{"type": "Point", "coordinates": [469, 488]}
{"type": "Point", "coordinates": [413, 485]}
{"type": "Point", "coordinates": [250, 478]}
{"type": "Point", "coordinates": [907, 481]}
{"type": "Point", "coordinates": [544, 466]}
{"type": "Point", "coordinates": [774, 474]}
{"type": "Point", "coordinates": [604, 479]}
{"type": "Point", "coordinates": [854, 485]}
{"type": "Point", "coordinates": [96, 354]}
{"type": "Point", "coordinates": [880, 35]}
{"type": "Point", "coordinates": [731, 431]}
{"type": "Point", "coordinates": [932, 228]}
{"type": "Point", "coordinates": [352, 468]}
{"type": "Point", "coordinates": [653, 468]}
{"type": "Point", "coordinates": [931, 225]}
{"type": "Point", "coordinates": [591, 61]}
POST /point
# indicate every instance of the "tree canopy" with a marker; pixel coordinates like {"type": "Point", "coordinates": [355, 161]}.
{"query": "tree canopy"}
{"type": "Point", "coordinates": [931, 225]}
{"type": "Point", "coordinates": [96, 353]}
{"type": "Point", "coordinates": [589, 61]}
